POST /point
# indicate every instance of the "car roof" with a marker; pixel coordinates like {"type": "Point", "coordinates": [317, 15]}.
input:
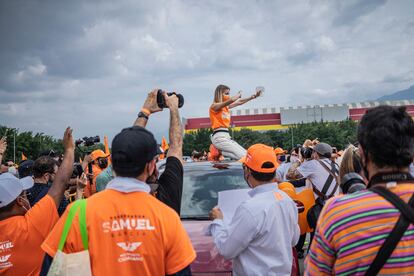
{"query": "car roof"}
{"type": "Point", "coordinates": [207, 165]}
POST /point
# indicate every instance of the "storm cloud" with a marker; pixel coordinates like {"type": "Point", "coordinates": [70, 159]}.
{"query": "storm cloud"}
{"type": "Point", "coordinates": [90, 64]}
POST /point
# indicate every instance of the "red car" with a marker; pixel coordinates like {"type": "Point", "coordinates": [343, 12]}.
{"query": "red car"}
{"type": "Point", "coordinates": [202, 182]}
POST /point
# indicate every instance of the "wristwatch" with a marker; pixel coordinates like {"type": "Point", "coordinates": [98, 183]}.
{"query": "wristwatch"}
{"type": "Point", "coordinates": [142, 115]}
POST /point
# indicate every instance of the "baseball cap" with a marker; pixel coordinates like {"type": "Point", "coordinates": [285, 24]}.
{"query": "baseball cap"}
{"type": "Point", "coordinates": [98, 154]}
{"type": "Point", "coordinates": [257, 156]}
{"type": "Point", "coordinates": [132, 148]}
{"type": "Point", "coordinates": [26, 168]}
{"type": "Point", "coordinates": [11, 187]}
{"type": "Point", "coordinates": [323, 149]}
{"type": "Point", "coordinates": [279, 151]}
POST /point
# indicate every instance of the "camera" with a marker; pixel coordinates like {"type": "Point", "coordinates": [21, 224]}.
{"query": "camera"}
{"type": "Point", "coordinates": [352, 182]}
{"type": "Point", "coordinates": [161, 100]}
{"type": "Point", "coordinates": [77, 170]}
{"type": "Point", "coordinates": [306, 152]}
{"type": "Point", "coordinates": [88, 141]}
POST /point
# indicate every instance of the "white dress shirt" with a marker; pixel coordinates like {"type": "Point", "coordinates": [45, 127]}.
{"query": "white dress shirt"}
{"type": "Point", "coordinates": [261, 234]}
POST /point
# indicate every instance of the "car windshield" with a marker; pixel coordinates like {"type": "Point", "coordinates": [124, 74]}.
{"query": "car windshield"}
{"type": "Point", "coordinates": [201, 187]}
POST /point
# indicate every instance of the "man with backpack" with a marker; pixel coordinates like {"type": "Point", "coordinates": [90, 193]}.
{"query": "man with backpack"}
{"type": "Point", "coordinates": [321, 173]}
{"type": "Point", "coordinates": [371, 232]}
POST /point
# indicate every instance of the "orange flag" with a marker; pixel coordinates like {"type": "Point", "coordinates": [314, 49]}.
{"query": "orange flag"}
{"type": "Point", "coordinates": [106, 145]}
{"type": "Point", "coordinates": [23, 157]}
{"type": "Point", "coordinates": [164, 144]}
{"type": "Point", "coordinates": [107, 152]}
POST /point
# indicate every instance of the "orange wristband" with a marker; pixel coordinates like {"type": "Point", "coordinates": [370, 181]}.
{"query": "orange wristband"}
{"type": "Point", "coordinates": [145, 111]}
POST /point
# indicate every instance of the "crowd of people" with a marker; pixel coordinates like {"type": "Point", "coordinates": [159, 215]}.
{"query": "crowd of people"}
{"type": "Point", "coordinates": [116, 214]}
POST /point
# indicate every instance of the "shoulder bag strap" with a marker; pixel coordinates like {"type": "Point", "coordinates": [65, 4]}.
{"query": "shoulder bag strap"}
{"type": "Point", "coordinates": [68, 222]}
{"type": "Point", "coordinates": [316, 191]}
{"type": "Point", "coordinates": [82, 224]}
{"type": "Point", "coordinates": [332, 175]}
{"type": "Point", "coordinates": [406, 217]}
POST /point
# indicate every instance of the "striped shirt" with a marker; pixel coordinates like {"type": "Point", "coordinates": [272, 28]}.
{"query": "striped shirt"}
{"type": "Point", "coordinates": [351, 230]}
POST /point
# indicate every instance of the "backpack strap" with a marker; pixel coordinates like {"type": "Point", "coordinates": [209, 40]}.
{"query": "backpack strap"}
{"type": "Point", "coordinates": [389, 245]}
{"type": "Point", "coordinates": [79, 204]}
{"type": "Point", "coordinates": [333, 174]}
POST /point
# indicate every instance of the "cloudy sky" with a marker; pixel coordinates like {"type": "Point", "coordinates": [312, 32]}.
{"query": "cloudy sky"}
{"type": "Point", "coordinates": [90, 64]}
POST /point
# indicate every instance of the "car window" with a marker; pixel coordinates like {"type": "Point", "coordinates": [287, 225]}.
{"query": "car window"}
{"type": "Point", "coordinates": [201, 187]}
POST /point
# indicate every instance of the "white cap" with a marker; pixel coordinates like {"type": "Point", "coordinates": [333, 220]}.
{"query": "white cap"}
{"type": "Point", "coordinates": [11, 187]}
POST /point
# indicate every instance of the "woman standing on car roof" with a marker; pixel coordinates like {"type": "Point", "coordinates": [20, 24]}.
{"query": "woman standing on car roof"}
{"type": "Point", "coordinates": [220, 120]}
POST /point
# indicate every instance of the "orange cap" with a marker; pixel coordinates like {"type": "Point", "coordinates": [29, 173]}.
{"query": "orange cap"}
{"type": "Point", "coordinates": [279, 151]}
{"type": "Point", "coordinates": [257, 155]}
{"type": "Point", "coordinates": [98, 154]}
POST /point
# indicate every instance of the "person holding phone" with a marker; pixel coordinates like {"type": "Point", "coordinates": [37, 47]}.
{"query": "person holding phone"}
{"type": "Point", "coordinates": [220, 120]}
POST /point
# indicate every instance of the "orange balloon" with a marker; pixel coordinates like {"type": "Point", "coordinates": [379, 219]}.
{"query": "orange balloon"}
{"type": "Point", "coordinates": [304, 200]}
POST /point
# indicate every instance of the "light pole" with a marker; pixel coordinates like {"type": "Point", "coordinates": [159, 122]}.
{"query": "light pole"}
{"type": "Point", "coordinates": [14, 147]}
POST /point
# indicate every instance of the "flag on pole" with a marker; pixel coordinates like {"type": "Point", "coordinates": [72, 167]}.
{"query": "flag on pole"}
{"type": "Point", "coordinates": [107, 152]}
{"type": "Point", "coordinates": [106, 145]}
{"type": "Point", "coordinates": [23, 157]}
{"type": "Point", "coordinates": [164, 144]}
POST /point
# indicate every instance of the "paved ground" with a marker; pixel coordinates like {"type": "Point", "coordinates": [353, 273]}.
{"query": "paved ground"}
{"type": "Point", "coordinates": [301, 261]}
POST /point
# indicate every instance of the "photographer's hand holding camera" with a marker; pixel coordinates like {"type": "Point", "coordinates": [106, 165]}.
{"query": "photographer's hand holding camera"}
{"type": "Point", "coordinates": [168, 187]}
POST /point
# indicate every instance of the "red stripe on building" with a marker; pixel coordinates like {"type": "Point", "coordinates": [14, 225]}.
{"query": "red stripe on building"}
{"type": "Point", "coordinates": [355, 114]}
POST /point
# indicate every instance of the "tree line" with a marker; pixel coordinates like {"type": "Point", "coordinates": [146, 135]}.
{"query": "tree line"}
{"type": "Point", "coordinates": [337, 134]}
{"type": "Point", "coordinates": [32, 145]}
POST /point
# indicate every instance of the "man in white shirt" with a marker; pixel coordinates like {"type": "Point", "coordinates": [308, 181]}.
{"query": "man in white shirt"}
{"type": "Point", "coordinates": [260, 236]}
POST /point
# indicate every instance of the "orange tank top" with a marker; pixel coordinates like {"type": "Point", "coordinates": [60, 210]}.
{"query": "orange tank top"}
{"type": "Point", "coordinates": [221, 118]}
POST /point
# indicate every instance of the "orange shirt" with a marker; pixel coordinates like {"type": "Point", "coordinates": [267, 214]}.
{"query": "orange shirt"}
{"type": "Point", "coordinates": [21, 237]}
{"type": "Point", "coordinates": [129, 234]}
{"type": "Point", "coordinates": [91, 189]}
{"type": "Point", "coordinates": [221, 118]}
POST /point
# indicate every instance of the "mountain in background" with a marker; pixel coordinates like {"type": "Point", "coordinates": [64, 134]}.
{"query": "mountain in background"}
{"type": "Point", "coordinates": [406, 94]}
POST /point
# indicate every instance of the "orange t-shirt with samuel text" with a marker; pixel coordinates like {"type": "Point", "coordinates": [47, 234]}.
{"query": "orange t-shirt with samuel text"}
{"type": "Point", "coordinates": [129, 234]}
{"type": "Point", "coordinates": [21, 237]}
{"type": "Point", "coordinates": [221, 118]}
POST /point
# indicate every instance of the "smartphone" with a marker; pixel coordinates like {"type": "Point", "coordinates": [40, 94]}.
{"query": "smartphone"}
{"type": "Point", "coordinates": [260, 89]}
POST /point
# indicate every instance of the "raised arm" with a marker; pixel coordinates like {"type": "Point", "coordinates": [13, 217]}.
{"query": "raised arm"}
{"type": "Point", "coordinates": [245, 100]}
{"type": "Point", "coordinates": [65, 170]}
{"type": "Point", "coordinates": [217, 106]}
{"type": "Point", "coordinates": [176, 130]}
{"type": "Point", "coordinates": [3, 147]}
{"type": "Point", "coordinates": [293, 172]}
{"type": "Point", "coordinates": [150, 106]}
